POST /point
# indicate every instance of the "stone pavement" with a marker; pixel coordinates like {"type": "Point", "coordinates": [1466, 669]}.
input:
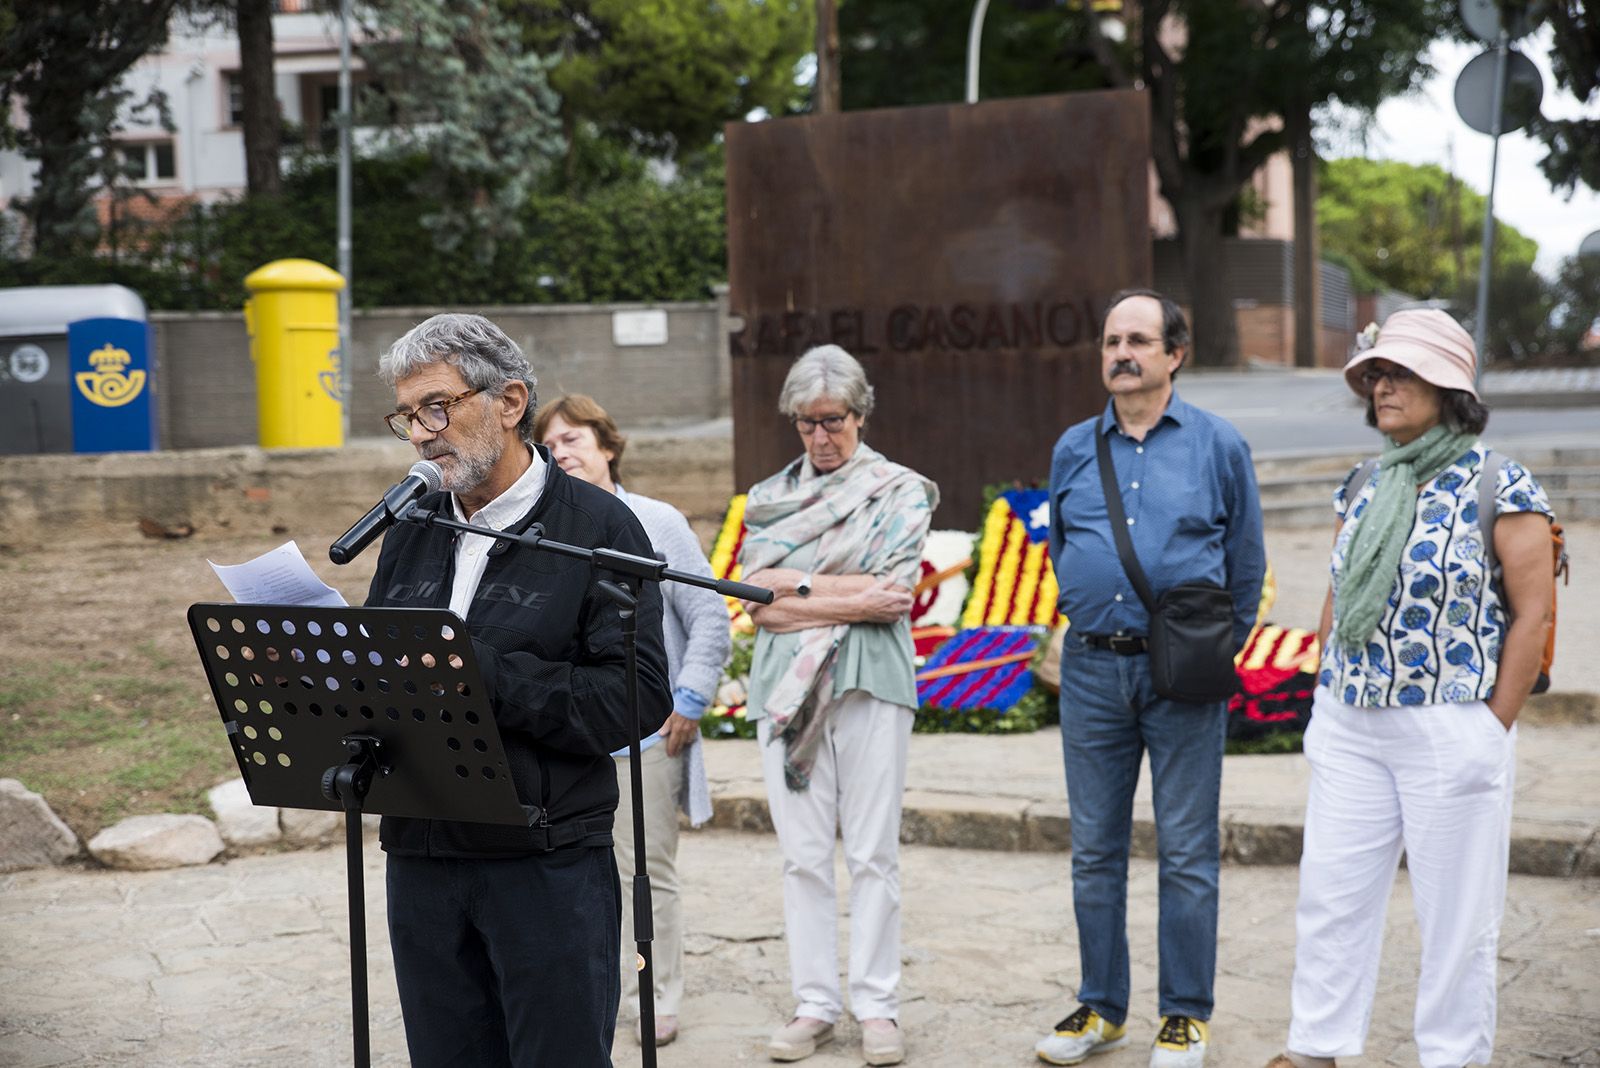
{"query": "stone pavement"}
{"type": "Point", "coordinates": [244, 964]}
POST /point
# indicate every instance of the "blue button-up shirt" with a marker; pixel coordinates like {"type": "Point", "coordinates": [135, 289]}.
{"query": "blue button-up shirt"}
{"type": "Point", "coordinates": [1189, 491]}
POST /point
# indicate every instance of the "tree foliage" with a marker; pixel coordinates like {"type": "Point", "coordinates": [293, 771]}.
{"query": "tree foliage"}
{"type": "Point", "coordinates": [1575, 294]}
{"type": "Point", "coordinates": [895, 53]}
{"type": "Point", "coordinates": [1575, 59]}
{"type": "Point", "coordinates": [1213, 99]}
{"type": "Point", "coordinates": [1416, 229]}
{"type": "Point", "coordinates": [1219, 79]}
{"type": "Point", "coordinates": [458, 86]}
{"type": "Point", "coordinates": [628, 238]}
{"type": "Point", "coordinates": [664, 75]}
{"type": "Point", "coordinates": [63, 62]}
{"type": "Point", "coordinates": [1411, 228]}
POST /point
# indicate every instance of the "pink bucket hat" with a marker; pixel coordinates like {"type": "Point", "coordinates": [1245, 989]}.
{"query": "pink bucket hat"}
{"type": "Point", "coordinates": [1425, 341]}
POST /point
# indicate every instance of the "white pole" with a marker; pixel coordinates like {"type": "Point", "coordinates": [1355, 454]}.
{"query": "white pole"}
{"type": "Point", "coordinates": [974, 39]}
{"type": "Point", "coordinates": [346, 376]}
{"type": "Point", "coordinates": [1481, 332]}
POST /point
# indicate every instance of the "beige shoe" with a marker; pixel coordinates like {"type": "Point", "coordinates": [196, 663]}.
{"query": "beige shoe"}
{"type": "Point", "coordinates": [1282, 1061]}
{"type": "Point", "coordinates": [799, 1038]}
{"type": "Point", "coordinates": [666, 1030]}
{"type": "Point", "coordinates": [882, 1042]}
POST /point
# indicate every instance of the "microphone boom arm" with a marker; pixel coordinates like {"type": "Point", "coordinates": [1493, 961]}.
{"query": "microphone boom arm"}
{"type": "Point", "coordinates": [609, 559]}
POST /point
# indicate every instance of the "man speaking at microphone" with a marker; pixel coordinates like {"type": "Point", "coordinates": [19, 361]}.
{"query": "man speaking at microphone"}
{"type": "Point", "coordinates": [506, 939]}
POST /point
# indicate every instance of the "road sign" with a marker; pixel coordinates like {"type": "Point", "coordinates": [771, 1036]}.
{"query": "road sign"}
{"type": "Point", "coordinates": [1483, 19]}
{"type": "Point", "coordinates": [1475, 92]}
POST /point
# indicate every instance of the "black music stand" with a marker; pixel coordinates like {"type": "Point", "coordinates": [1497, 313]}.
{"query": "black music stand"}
{"type": "Point", "coordinates": [356, 710]}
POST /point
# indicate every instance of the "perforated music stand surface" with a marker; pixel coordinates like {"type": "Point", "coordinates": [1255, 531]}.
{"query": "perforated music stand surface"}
{"type": "Point", "coordinates": [291, 682]}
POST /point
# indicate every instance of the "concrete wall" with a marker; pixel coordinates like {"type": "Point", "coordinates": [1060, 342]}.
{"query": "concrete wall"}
{"type": "Point", "coordinates": [67, 497]}
{"type": "Point", "coordinates": [206, 392]}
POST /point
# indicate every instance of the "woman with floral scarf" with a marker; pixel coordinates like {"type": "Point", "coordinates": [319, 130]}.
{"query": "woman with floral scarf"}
{"type": "Point", "coordinates": [1431, 639]}
{"type": "Point", "coordinates": [837, 535]}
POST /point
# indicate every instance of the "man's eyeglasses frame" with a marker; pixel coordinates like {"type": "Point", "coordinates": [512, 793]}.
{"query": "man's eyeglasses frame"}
{"type": "Point", "coordinates": [400, 422]}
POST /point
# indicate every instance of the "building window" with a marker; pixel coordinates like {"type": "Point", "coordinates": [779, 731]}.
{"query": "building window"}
{"type": "Point", "coordinates": [235, 89]}
{"type": "Point", "coordinates": [150, 163]}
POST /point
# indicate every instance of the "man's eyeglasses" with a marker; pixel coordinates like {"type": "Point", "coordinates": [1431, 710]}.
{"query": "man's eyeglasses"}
{"type": "Point", "coordinates": [433, 417]}
{"type": "Point", "coordinates": [831, 423]}
{"type": "Point", "coordinates": [1397, 376]}
{"type": "Point", "coordinates": [1136, 342]}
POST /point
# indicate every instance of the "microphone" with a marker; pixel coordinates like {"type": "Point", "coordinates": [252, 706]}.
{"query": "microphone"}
{"type": "Point", "coordinates": [424, 477]}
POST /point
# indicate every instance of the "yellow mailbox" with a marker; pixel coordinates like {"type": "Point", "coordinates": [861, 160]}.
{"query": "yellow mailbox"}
{"type": "Point", "coordinates": [292, 316]}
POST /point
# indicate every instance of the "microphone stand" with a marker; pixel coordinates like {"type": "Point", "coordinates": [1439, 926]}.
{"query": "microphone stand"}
{"type": "Point", "coordinates": [644, 569]}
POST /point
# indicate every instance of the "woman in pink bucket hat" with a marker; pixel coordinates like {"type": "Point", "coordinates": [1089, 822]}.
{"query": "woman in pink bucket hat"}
{"type": "Point", "coordinates": [1431, 641]}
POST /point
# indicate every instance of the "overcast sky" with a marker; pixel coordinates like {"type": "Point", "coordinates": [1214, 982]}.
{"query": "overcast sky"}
{"type": "Point", "coordinates": [1422, 128]}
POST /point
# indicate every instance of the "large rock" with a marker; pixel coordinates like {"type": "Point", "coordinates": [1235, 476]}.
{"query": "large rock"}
{"type": "Point", "coordinates": [31, 836]}
{"type": "Point", "coordinates": [144, 843]}
{"type": "Point", "coordinates": [241, 821]}
{"type": "Point", "coordinates": [310, 826]}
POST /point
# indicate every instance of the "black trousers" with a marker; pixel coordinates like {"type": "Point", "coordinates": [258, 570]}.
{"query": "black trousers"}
{"type": "Point", "coordinates": [507, 962]}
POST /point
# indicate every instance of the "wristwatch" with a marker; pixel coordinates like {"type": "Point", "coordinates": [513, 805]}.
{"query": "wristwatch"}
{"type": "Point", "coordinates": [803, 587]}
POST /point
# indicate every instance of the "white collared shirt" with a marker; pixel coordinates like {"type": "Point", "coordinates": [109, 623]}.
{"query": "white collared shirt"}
{"type": "Point", "coordinates": [472, 551]}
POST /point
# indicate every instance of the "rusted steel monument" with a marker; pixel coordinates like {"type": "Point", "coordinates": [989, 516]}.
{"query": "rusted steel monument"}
{"type": "Point", "coordinates": [962, 252]}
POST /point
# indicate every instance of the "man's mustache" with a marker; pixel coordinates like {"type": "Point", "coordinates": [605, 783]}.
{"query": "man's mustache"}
{"type": "Point", "coordinates": [1126, 367]}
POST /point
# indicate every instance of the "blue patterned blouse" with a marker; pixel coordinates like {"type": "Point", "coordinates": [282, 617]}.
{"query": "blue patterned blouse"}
{"type": "Point", "coordinates": [1439, 638]}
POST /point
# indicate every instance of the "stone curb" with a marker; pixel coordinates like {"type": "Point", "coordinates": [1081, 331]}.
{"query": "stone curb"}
{"type": "Point", "coordinates": [1012, 825]}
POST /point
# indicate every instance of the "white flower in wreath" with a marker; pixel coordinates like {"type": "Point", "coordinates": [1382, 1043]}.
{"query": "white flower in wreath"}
{"type": "Point", "coordinates": [1367, 338]}
{"type": "Point", "coordinates": [731, 693]}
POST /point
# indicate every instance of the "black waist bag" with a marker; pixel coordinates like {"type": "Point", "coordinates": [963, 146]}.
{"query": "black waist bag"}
{"type": "Point", "coordinates": [1191, 625]}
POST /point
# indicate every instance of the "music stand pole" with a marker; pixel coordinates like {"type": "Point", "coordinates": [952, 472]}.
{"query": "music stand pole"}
{"type": "Point", "coordinates": [348, 783]}
{"type": "Point", "coordinates": [643, 906]}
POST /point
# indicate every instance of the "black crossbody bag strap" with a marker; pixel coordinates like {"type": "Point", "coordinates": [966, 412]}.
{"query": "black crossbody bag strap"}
{"type": "Point", "coordinates": [1119, 523]}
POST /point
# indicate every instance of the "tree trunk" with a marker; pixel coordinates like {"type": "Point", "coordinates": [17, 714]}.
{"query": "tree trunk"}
{"type": "Point", "coordinates": [1307, 295]}
{"type": "Point", "coordinates": [1216, 339]}
{"type": "Point", "coordinates": [827, 97]}
{"type": "Point", "coordinates": [262, 125]}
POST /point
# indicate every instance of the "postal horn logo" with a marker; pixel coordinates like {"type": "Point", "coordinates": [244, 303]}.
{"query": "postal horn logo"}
{"type": "Point", "coordinates": [110, 384]}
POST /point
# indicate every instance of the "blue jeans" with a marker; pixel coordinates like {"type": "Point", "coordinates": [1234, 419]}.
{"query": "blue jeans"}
{"type": "Point", "coordinates": [1110, 715]}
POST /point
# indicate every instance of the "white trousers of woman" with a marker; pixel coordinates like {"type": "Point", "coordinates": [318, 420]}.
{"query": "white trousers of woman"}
{"type": "Point", "coordinates": [856, 788]}
{"type": "Point", "coordinates": [1435, 781]}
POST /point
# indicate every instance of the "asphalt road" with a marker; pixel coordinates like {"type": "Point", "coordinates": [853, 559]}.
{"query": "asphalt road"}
{"type": "Point", "coordinates": [1303, 411]}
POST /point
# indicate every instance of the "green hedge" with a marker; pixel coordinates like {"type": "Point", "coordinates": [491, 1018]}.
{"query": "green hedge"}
{"type": "Point", "coordinates": [633, 238]}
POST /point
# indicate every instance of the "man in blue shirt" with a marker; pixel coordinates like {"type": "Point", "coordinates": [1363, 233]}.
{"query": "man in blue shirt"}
{"type": "Point", "coordinates": [1189, 493]}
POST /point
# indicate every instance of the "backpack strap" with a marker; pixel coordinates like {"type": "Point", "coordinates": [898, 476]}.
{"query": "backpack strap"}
{"type": "Point", "coordinates": [1488, 508]}
{"type": "Point", "coordinates": [1357, 482]}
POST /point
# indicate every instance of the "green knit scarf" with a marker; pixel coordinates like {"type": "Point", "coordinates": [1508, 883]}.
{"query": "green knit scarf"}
{"type": "Point", "coordinates": [1381, 530]}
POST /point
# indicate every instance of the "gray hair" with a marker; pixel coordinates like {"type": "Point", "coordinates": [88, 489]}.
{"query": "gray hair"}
{"type": "Point", "coordinates": [480, 350]}
{"type": "Point", "coordinates": [826, 371]}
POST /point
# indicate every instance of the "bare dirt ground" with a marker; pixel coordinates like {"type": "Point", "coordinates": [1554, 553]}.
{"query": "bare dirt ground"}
{"type": "Point", "coordinates": [104, 708]}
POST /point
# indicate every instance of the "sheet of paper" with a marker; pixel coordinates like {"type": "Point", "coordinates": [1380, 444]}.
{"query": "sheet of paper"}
{"type": "Point", "coordinates": [281, 576]}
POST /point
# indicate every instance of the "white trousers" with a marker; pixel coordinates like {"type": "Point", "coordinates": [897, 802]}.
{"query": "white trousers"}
{"type": "Point", "coordinates": [856, 789]}
{"type": "Point", "coordinates": [1436, 781]}
{"type": "Point", "coordinates": [662, 776]}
